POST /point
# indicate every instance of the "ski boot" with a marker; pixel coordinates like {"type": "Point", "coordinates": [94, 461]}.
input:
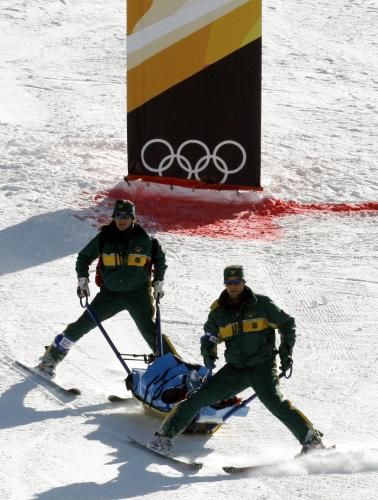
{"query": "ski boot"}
{"type": "Point", "coordinates": [48, 364]}
{"type": "Point", "coordinates": [54, 354]}
{"type": "Point", "coordinates": [312, 442]}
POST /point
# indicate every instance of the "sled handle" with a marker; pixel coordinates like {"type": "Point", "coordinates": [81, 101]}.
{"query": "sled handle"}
{"type": "Point", "coordinates": [159, 337]}
{"type": "Point", "coordinates": [92, 314]}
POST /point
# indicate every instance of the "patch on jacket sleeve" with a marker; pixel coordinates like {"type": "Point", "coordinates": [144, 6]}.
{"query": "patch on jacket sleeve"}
{"type": "Point", "coordinates": [137, 260]}
{"type": "Point", "coordinates": [228, 331]}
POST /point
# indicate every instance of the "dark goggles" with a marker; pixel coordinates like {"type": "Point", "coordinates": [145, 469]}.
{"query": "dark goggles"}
{"type": "Point", "coordinates": [233, 282]}
{"type": "Point", "coordinates": [122, 215]}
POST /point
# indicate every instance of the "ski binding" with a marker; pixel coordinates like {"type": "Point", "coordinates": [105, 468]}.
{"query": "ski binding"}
{"type": "Point", "coordinates": [194, 466]}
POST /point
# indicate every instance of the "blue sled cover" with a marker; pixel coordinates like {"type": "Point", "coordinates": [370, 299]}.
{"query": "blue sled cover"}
{"type": "Point", "coordinates": [169, 380]}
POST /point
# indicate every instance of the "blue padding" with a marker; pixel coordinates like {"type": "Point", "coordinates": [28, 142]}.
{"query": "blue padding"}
{"type": "Point", "coordinates": [167, 372]}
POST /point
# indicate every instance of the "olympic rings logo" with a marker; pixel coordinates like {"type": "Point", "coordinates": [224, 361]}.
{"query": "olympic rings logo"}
{"type": "Point", "coordinates": [193, 170]}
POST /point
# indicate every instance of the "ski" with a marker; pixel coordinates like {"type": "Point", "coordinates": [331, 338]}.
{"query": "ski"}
{"type": "Point", "coordinates": [121, 401]}
{"type": "Point", "coordinates": [242, 470]}
{"type": "Point", "coordinates": [195, 466]}
{"type": "Point", "coordinates": [316, 452]}
{"type": "Point", "coordinates": [262, 467]}
{"type": "Point", "coordinates": [71, 392]}
{"type": "Point", "coordinates": [113, 398]}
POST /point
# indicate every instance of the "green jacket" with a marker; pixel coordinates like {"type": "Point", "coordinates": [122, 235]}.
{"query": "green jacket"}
{"type": "Point", "coordinates": [126, 258]}
{"type": "Point", "coordinates": [248, 329]}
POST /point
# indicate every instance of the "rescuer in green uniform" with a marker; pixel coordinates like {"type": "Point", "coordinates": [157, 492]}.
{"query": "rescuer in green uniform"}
{"type": "Point", "coordinates": [246, 322]}
{"type": "Point", "coordinates": [126, 254]}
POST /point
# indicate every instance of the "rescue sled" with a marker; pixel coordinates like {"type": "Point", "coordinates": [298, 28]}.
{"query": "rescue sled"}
{"type": "Point", "coordinates": [167, 380]}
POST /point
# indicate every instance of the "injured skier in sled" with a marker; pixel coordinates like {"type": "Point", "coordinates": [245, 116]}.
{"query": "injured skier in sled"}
{"type": "Point", "coordinates": [169, 380]}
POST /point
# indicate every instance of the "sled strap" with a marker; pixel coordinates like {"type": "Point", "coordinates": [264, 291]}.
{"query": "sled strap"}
{"type": "Point", "coordinates": [159, 379]}
{"type": "Point", "coordinates": [153, 381]}
{"type": "Point", "coordinates": [159, 390]}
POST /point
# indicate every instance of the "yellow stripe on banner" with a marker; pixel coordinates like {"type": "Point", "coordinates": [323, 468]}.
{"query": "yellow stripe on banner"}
{"type": "Point", "coordinates": [194, 53]}
{"type": "Point", "coordinates": [242, 26]}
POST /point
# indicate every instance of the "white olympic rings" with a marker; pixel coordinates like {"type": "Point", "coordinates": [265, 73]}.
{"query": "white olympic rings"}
{"type": "Point", "coordinates": [167, 161]}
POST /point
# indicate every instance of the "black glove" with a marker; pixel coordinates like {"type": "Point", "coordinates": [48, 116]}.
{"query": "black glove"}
{"type": "Point", "coordinates": [209, 361]}
{"type": "Point", "coordinates": [208, 352]}
{"type": "Point", "coordinates": [285, 353]}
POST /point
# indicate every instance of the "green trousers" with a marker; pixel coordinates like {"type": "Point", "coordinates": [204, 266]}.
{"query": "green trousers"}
{"type": "Point", "coordinates": [107, 303]}
{"type": "Point", "coordinates": [228, 382]}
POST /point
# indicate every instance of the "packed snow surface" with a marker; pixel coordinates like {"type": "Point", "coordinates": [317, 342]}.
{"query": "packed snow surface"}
{"type": "Point", "coordinates": [63, 155]}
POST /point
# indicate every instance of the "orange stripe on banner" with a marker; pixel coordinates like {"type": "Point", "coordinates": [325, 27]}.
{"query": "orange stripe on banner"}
{"type": "Point", "coordinates": [193, 53]}
{"type": "Point", "coordinates": [136, 9]}
{"type": "Point", "coordinates": [242, 26]}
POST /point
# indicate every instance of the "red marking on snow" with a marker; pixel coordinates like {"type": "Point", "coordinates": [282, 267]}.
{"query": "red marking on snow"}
{"type": "Point", "coordinates": [185, 216]}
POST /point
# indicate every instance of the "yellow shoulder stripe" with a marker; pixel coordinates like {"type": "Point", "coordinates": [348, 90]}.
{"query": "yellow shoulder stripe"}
{"type": "Point", "coordinates": [214, 305]}
{"type": "Point", "coordinates": [254, 325]}
{"type": "Point", "coordinates": [111, 260]}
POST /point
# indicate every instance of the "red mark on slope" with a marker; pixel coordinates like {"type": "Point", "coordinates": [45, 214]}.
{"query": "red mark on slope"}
{"type": "Point", "coordinates": [218, 219]}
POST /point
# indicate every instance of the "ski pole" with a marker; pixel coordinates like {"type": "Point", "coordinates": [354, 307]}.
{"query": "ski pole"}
{"type": "Point", "coordinates": [159, 338]}
{"type": "Point", "coordinates": [92, 314]}
{"type": "Point", "coordinates": [244, 403]}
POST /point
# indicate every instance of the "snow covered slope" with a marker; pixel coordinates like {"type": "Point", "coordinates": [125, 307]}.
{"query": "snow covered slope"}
{"type": "Point", "coordinates": [62, 141]}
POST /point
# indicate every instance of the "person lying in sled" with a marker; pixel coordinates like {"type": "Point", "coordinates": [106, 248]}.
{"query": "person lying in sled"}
{"type": "Point", "coordinates": [246, 322]}
{"type": "Point", "coordinates": [168, 380]}
{"type": "Point", "coordinates": [126, 253]}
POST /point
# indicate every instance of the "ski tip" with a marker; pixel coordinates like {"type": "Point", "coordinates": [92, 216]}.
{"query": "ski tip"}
{"type": "Point", "coordinates": [246, 469]}
{"type": "Point", "coordinates": [197, 465]}
{"type": "Point", "coordinates": [117, 399]}
{"type": "Point", "coordinates": [229, 470]}
{"type": "Point", "coordinates": [74, 391]}
{"type": "Point", "coordinates": [233, 470]}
